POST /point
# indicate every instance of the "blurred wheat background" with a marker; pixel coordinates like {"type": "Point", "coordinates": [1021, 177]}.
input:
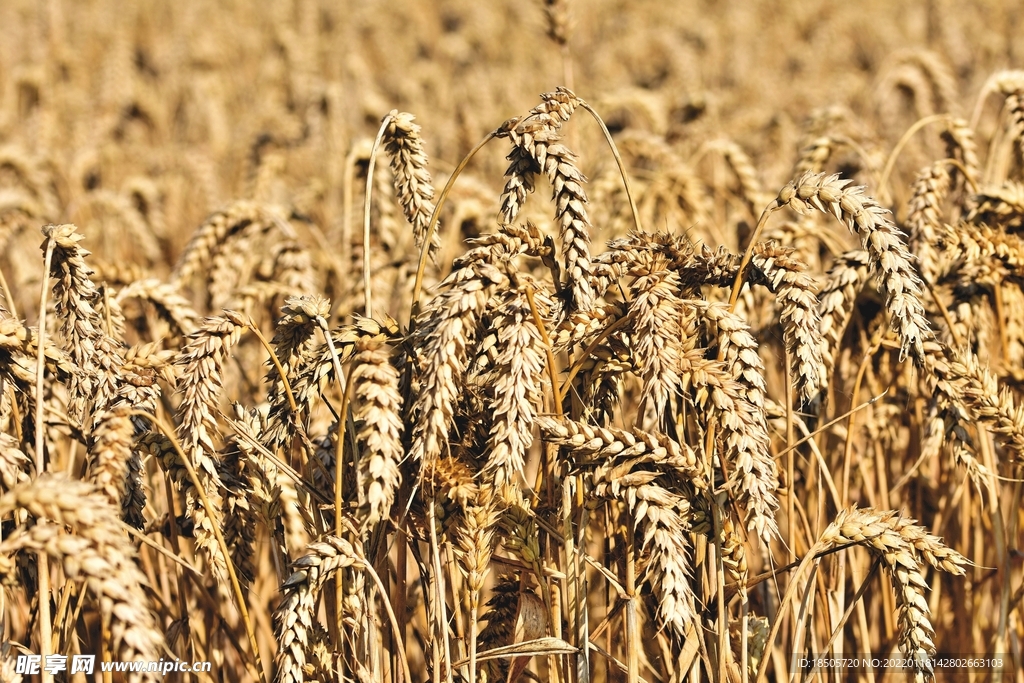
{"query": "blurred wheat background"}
{"type": "Point", "coordinates": [563, 340]}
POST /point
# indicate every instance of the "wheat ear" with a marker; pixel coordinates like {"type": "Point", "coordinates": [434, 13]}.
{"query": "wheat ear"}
{"type": "Point", "coordinates": [98, 553]}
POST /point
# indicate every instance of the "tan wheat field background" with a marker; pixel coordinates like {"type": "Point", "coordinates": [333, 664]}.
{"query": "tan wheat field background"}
{"type": "Point", "coordinates": [487, 342]}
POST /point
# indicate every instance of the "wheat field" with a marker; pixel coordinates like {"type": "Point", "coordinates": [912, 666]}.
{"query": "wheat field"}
{"type": "Point", "coordinates": [550, 340]}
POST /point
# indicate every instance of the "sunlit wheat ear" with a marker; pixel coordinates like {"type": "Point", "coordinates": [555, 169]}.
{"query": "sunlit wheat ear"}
{"type": "Point", "coordinates": [294, 618]}
{"type": "Point", "coordinates": [978, 242]}
{"type": "Point", "coordinates": [97, 553]}
{"type": "Point", "coordinates": [656, 478]}
{"type": "Point", "coordinates": [655, 308]}
{"type": "Point", "coordinates": [815, 155]}
{"type": "Point", "coordinates": [744, 426]}
{"type": "Point", "coordinates": [201, 382]}
{"type": "Point", "coordinates": [19, 346]}
{"type": "Point", "coordinates": [898, 278]}
{"type": "Point", "coordinates": [516, 386]}
{"type": "Point", "coordinates": [778, 269]}
{"type": "Point", "coordinates": [170, 306]}
{"type": "Point", "coordinates": [989, 403]}
{"type": "Point", "coordinates": [846, 278]}
{"type": "Point", "coordinates": [446, 329]}
{"type": "Point", "coordinates": [413, 185]}
{"type": "Point", "coordinates": [14, 464]}
{"type": "Point", "coordinates": [538, 148]}
{"type": "Point", "coordinates": [904, 548]}
{"type": "Point", "coordinates": [924, 217]}
{"type": "Point", "coordinates": [239, 503]}
{"type": "Point", "coordinates": [960, 145]}
{"type": "Point", "coordinates": [222, 246]}
{"type": "Point", "coordinates": [97, 357]}
{"type": "Point", "coordinates": [293, 344]}
{"type": "Point", "coordinates": [377, 412]}
{"type": "Point", "coordinates": [107, 464]}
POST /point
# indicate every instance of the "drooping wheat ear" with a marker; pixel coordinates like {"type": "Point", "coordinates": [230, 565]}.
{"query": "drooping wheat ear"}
{"type": "Point", "coordinates": [549, 115]}
{"type": "Point", "coordinates": [314, 370]}
{"type": "Point", "coordinates": [603, 372]}
{"type": "Point", "coordinates": [143, 365]}
{"type": "Point", "coordinates": [1010, 84]}
{"type": "Point", "coordinates": [14, 464]}
{"type": "Point", "coordinates": [216, 235]}
{"type": "Point", "coordinates": [815, 155]}
{"type": "Point", "coordinates": [928, 75]}
{"type": "Point", "coordinates": [107, 462]}
{"type": "Point", "coordinates": [516, 388]}
{"type": "Point", "coordinates": [999, 206]}
{"type": "Point", "coordinates": [846, 278]}
{"type": "Point", "coordinates": [377, 412]}
{"type": "Point", "coordinates": [960, 144]}
{"type": "Point", "coordinates": [777, 268]}
{"type": "Point", "coordinates": [903, 547]}
{"type": "Point", "coordinates": [294, 617]}
{"type": "Point", "coordinates": [947, 383]}
{"type": "Point", "coordinates": [751, 191]}
{"type": "Point", "coordinates": [976, 242]}
{"type": "Point", "coordinates": [656, 478]}
{"type": "Point", "coordinates": [293, 346]}
{"type": "Point", "coordinates": [656, 335]}
{"type": "Point", "coordinates": [97, 552]}
{"type": "Point", "coordinates": [538, 147]}
{"type": "Point", "coordinates": [170, 306]}
{"type": "Point", "coordinates": [745, 433]}
{"type": "Point", "coordinates": [413, 185]}
{"type": "Point", "coordinates": [19, 346]}
{"type": "Point", "coordinates": [771, 265]}
{"type": "Point", "coordinates": [96, 356]}
{"type": "Point", "coordinates": [446, 329]}
{"type": "Point", "coordinates": [924, 217]}
{"type": "Point", "coordinates": [556, 12]}
{"type": "Point", "coordinates": [989, 403]}
{"type": "Point", "coordinates": [583, 325]}
{"type": "Point", "coordinates": [290, 265]}
{"type": "Point", "coordinates": [879, 236]}
{"type": "Point", "coordinates": [259, 470]}
{"type": "Point", "coordinates": [200, 362]}
{"type": "Point", "coordinates": [594, 446]}
{"type": "Point", "coordinates": [239, 508]}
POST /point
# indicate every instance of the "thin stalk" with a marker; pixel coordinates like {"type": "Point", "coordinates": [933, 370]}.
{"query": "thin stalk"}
{"type": "Point", "coordinates": [432, 226]}
{"type": "Point", "coordinates": [883, 180]}
{"type": "Point", "coordinates": [633, 642]}
{"type": "Point", "coordinates": [43, 562]}
{"type": "Point", "coordinates": [618, 161]}
{"type": "Point", "coordinates": [367, 303]}
{"type": "Point", "coordinates": [235, 585]}
{"type": "Point", "coordinates": [7, 295]}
